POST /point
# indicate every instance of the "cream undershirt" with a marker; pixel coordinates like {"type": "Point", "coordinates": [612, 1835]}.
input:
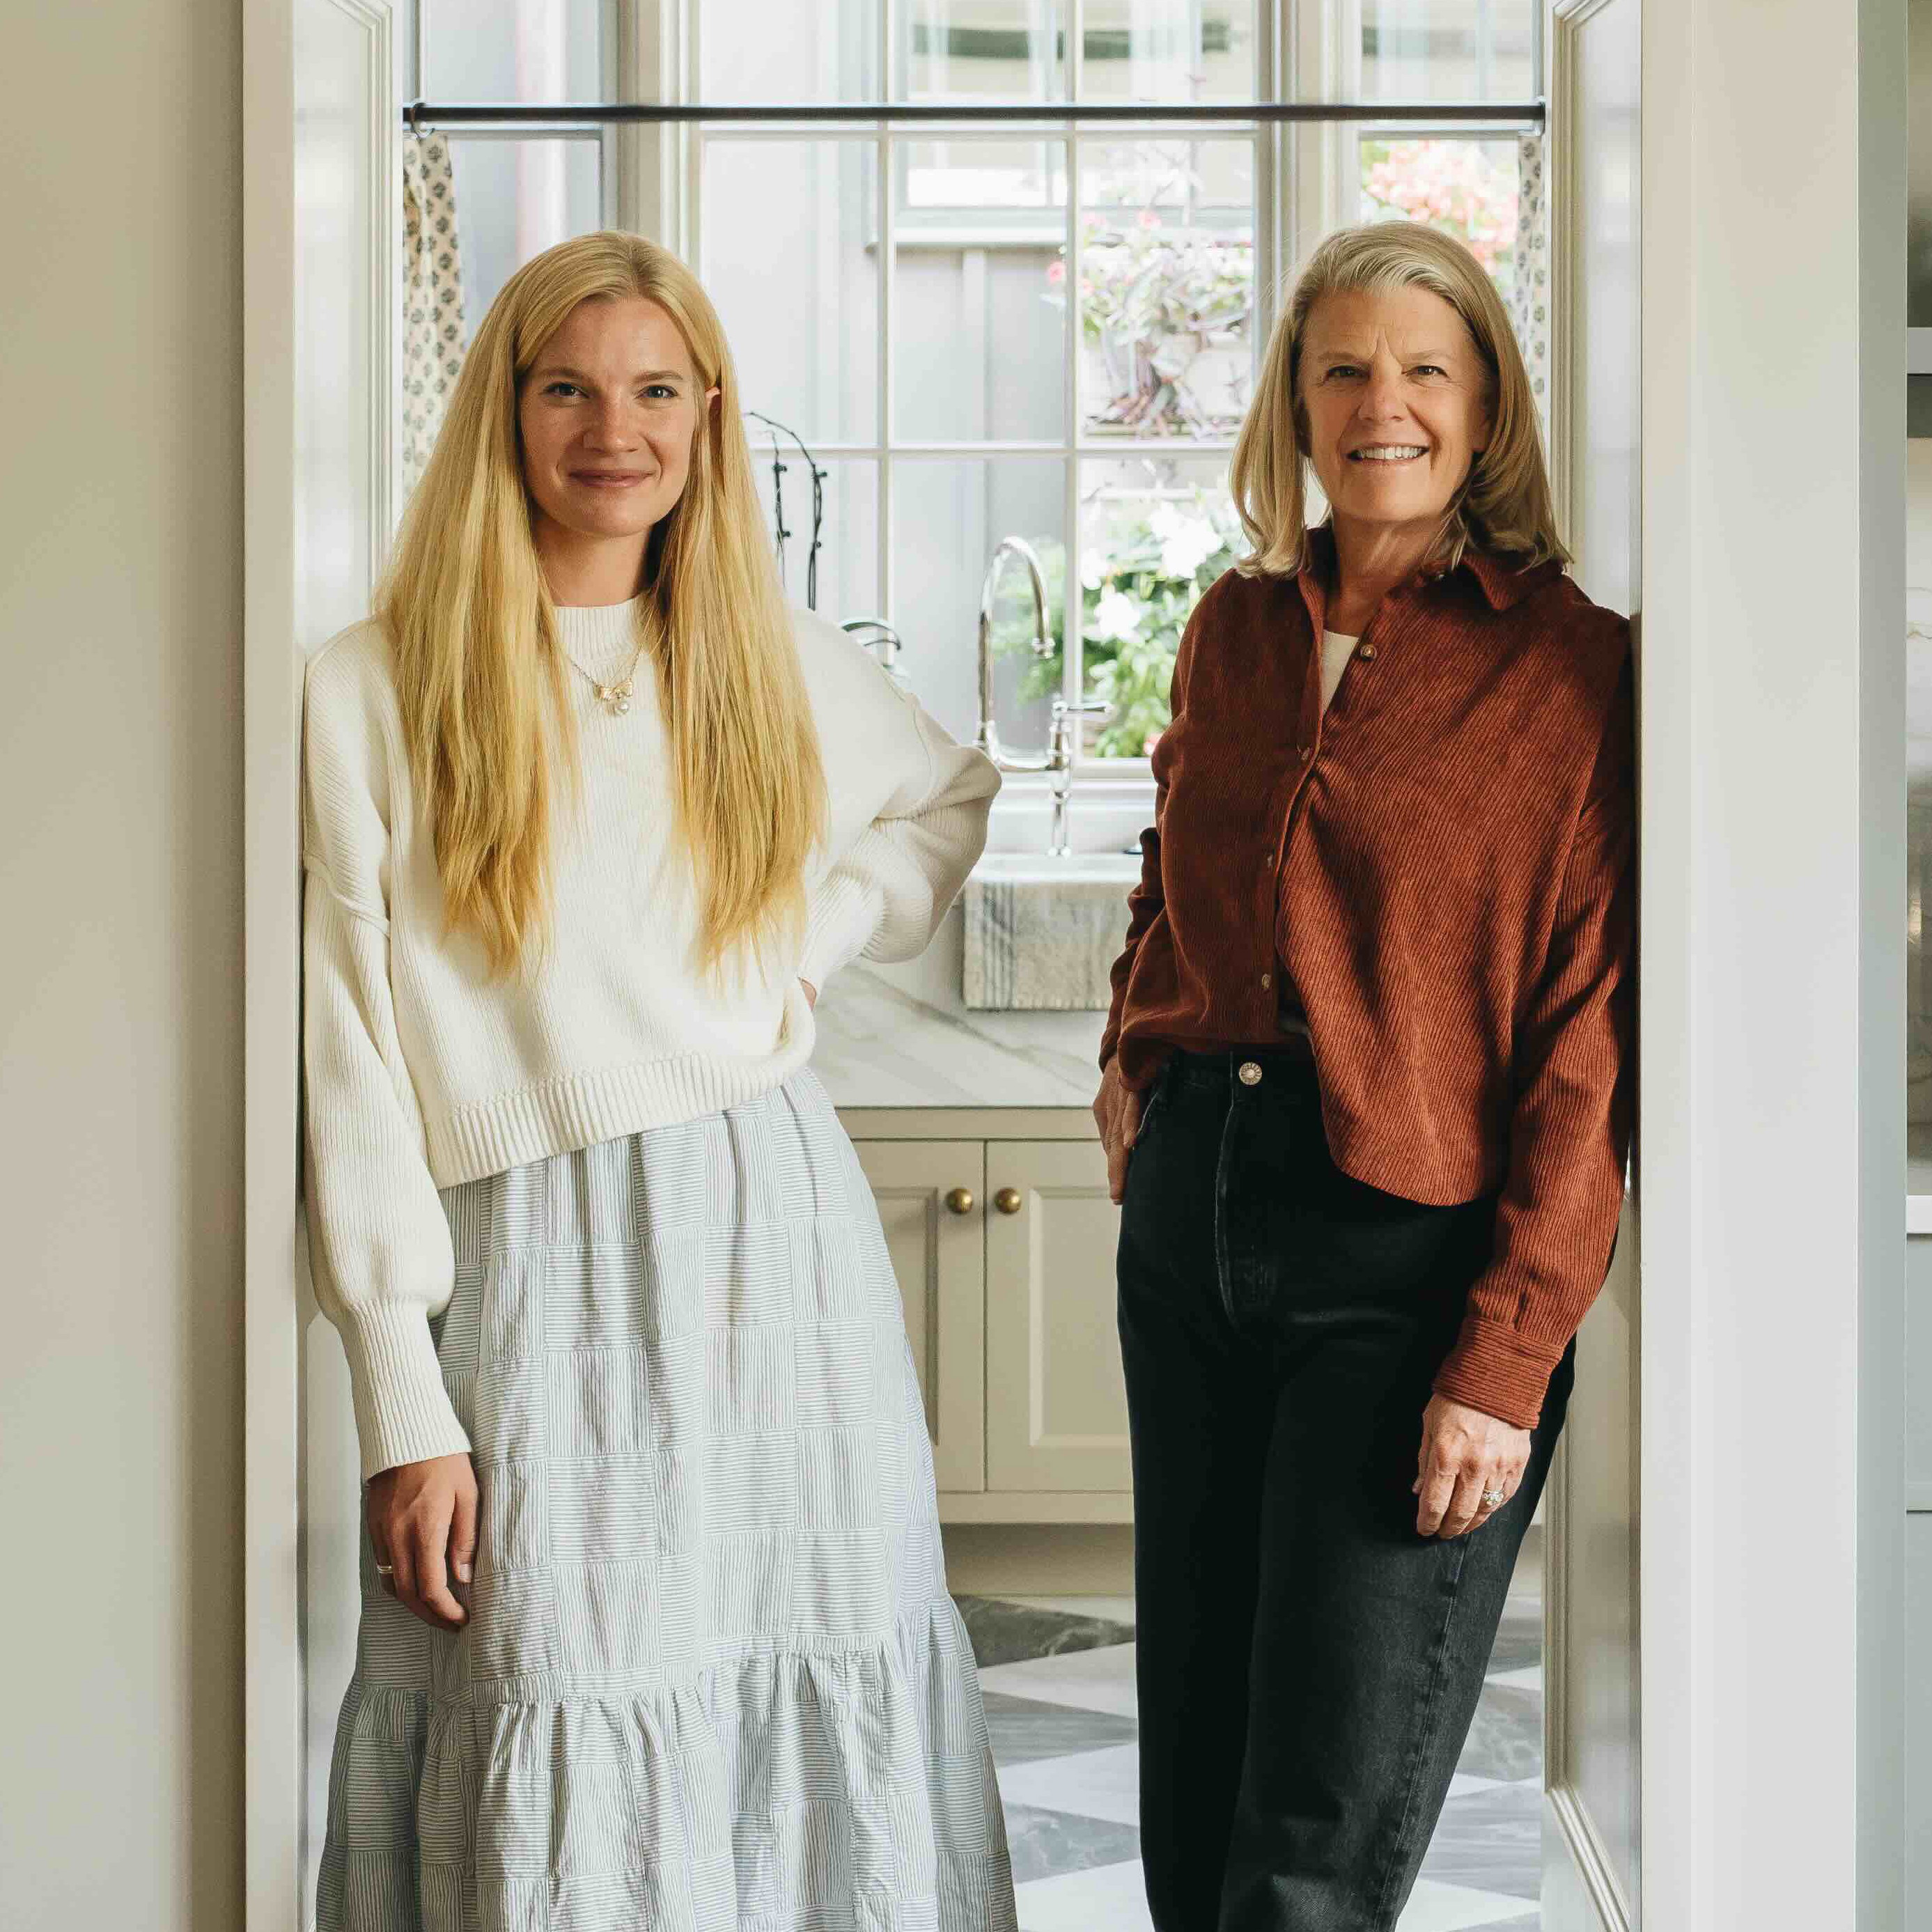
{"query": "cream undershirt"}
{"type": "Point", "coordinates": [1337, 647]}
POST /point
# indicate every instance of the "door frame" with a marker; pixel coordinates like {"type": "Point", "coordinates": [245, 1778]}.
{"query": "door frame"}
{"type": "Point", "coordinates": [1771, 1120]}
{"type": "Point", "coordinates": [1759, 946]}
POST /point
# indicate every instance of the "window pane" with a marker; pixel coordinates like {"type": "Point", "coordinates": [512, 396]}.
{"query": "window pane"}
{"type": "Point", "coordinates": [1448, 50]}
{"type": "Point", "coordinates": [1154, 532]}
{"type": "Point", "coordinates": [797, 218]}
{"type": "Point", "coordinates": [980, 50]}
{"type": "Point", "coordinates": [512, 50]}
{"type": "Point", "coordinates": [1167, 50]}
{"type": "Point", "coordinates": [980, 310]}
{"type": "Point", "coordinates": [515, 199]}
{"type": "Point", "coordinates": [1468, 188]}
{"type": "Point", "coordinates": [802, 50]}
{"type": "Point", "coordinates": [1014, 186]}
{"type": "Point", "coordinates": [1167, 271]}
{"type": "Point", "coordinates": [947, 517]}
{"type": "Point", "coordinates": [847, 523]}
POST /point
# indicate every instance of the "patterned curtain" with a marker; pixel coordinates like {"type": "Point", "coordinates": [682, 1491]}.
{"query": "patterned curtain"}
{"type": "Point", "coordinates": [433, 332]}
{"type": "Point", "coordinates": [1530, 303]}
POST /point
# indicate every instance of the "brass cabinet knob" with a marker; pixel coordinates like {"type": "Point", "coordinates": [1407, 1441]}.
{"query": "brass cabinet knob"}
{"type": "Point", "coordinates": [1007, 1201]}
{"type": "Point", "coordinates": [960, 1200]}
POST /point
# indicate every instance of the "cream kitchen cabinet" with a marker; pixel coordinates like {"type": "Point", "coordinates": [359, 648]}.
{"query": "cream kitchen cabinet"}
{"type": "Point", "coordinates": [1004, 1246]}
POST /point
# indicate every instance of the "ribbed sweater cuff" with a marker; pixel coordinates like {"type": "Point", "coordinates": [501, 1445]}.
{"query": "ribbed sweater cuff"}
{"type": "Point", "coordinates": [838, 925]}
{"type": "Point", "coordinates": [1492, 1370]}
{"type": "Point", "coordinates": [403, 1410]}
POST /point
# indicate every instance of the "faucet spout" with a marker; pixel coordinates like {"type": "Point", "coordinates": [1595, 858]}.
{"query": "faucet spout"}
{"type": "Point", "coordinates": [1057, 760]}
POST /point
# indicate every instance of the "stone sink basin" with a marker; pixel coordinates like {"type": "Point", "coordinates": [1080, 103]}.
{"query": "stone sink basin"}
{"type": "Point", "coordinates": [1043, 932]}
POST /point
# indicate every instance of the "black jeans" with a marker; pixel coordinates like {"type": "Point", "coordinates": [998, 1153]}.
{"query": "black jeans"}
{"type": "Point", "coordinates": [1309, 1664]}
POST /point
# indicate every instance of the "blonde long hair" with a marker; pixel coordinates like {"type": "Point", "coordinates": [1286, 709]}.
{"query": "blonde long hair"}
{"type": "Point", "coordinates": [1503, 505]}
{"type": "Point", "coordinates": [481, 674]}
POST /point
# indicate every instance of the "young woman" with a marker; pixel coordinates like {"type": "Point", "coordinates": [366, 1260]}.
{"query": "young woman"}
{"type": "Point", "coordinates": [1366, 1094]}
{"type": "Point", "coordinates": [655, 1629]}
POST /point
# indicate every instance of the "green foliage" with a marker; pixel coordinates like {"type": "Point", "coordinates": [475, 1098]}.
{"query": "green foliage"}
{"type": "Point", "coordinates": [1161, 551]}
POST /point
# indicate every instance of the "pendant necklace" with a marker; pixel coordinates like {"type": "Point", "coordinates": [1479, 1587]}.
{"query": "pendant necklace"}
{"type": "Point", "coordinates": [615, 698]}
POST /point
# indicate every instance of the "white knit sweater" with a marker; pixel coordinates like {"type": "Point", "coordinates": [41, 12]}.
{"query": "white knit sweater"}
{"type": "Point", "coordinates": [422, 1073]}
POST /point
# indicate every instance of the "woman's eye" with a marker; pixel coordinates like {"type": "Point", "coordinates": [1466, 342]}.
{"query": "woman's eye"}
{"type": "Point", "coordinates": [662, 390]}
{"type": "Point", "coordinates": [1430, 369]}
{"type": "Point", "coordinates": [552, 388]}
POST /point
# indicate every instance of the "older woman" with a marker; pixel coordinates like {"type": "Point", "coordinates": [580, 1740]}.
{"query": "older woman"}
{"type": "Point", "coordinates": [1365, 1096]}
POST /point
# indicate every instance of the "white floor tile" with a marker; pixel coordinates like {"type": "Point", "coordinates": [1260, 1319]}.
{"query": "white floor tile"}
{"type": "Point", "coordinates": [1434, 1907]}
{"type": "Point", "coordinates": [1089, 1680]}
{"type": "Point", "coordinates": [1528, 1679]}
{"type": "Point", "coordinates": [1113, 1896]}
{"type": "Point", "coordinates": [1093, 1784]}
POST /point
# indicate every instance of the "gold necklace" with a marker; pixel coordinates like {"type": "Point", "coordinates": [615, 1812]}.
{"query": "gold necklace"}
{"type": "Point", "coordinates": [615, 698]}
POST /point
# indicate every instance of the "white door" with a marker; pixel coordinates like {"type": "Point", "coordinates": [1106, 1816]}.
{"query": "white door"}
{"type": "Point", "coordinates": [1591, 1838]}
{"type": "Point", "coordinates": [346, 300]}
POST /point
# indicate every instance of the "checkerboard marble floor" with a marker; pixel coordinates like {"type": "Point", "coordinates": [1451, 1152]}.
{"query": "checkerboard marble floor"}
{"type": "Point", "coordinates": [1058, 1676]}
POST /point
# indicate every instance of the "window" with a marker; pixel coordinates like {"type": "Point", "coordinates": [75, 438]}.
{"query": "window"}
{"type": "Point", "coordinates": [987, 329]}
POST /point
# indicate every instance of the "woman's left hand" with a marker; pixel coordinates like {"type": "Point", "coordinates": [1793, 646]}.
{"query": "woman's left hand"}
{"type": "Point", "coordinates": [1465, 1453]}
{"type": "Point", "coordinates": [811, 992]}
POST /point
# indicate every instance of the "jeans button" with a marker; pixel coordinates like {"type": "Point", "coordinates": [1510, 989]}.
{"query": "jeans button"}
{"type": "Point", "coordinates": [1250, 1072]}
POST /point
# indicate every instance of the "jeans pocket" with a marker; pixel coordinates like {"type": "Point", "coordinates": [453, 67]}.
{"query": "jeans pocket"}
{"type": "Point", "coordinates": [1156, 1092]}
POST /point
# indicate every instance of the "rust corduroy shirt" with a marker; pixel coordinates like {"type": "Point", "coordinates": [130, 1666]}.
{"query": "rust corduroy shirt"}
{"type": "Point", "coordinates": [1442, 867]}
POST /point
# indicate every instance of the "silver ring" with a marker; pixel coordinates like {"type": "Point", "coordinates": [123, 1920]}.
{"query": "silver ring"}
{"type": "Point", "coordinates": [386, 1569]}
{"type": "Point", "coordinates": [1492, 1497]}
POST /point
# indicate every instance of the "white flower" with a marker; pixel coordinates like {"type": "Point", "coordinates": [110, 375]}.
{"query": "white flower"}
{"type": "Point", "coordinates": [1093, 568]}
{"type": "Point", "coordinates": [1186, 542]}
{"type": "Point", "coordinates": [1116, 617]}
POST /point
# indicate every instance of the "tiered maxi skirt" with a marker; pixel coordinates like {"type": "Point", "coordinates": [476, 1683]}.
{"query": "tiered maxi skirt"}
{"type": "Point", "coordinates": [711, 1680]}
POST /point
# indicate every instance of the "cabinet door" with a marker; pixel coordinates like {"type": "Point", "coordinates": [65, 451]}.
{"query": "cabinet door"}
{"type": "Point", "coordinates": [1056, 1407]}
{"type": "Point", "coordinates": [940, 1257]}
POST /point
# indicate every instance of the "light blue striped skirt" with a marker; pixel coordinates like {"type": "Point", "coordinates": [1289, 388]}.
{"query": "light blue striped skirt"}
{"type": "Point", "coordinates": [711, 1678]}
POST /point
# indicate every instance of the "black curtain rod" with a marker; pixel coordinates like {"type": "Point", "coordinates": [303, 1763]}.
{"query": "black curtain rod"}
{"type": "Point", "coordinates": [521, 113]}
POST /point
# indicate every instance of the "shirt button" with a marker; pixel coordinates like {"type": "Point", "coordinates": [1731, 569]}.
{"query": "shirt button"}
{"type": "Point", "coordinates": [1366, 651]}
{"type": "Point", "coordinates": [1250, 1072]}
{"type": "Point", "coordinates": [1267, 979]}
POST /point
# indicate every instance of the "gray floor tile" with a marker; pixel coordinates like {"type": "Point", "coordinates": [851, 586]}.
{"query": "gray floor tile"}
{"type": "Point", "coordinates": [1506, 1740]}
{"type": "Point", "coordinates": [1045, 1844]}
{"type": "Point", "coordinates": [1024, 1730]}
{"type": "Point", "coordinates": [1004, 1632]}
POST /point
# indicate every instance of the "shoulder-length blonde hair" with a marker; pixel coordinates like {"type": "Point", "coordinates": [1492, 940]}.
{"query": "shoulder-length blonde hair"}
{"type": "Point", "coordinates": [480, 670]}
{"type": "Point", "coordinates": [1504, 505]}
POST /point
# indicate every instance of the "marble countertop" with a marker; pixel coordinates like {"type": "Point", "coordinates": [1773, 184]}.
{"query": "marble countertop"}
{"type": "Point", "coordinates": [885, 1040]}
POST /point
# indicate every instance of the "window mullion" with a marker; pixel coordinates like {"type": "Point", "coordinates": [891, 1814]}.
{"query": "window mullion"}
{"type": "Point", "coordinates": [1072, 665]}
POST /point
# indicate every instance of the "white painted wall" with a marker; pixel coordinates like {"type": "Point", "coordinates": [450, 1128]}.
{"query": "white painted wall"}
{"type": "Point", "coordinates": [120, 977]}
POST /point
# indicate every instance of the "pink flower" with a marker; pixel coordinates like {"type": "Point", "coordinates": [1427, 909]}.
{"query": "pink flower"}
{"type": "Point", "coordinates": [1149, 219]}
{"type": "Point", "coordinates": [1056, 272]}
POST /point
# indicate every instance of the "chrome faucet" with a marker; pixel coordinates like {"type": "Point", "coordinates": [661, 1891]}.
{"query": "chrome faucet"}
{"type": "Point", "coordinates": [1057, 761]}
{"type": "Point", "coordinates": [872, 632]}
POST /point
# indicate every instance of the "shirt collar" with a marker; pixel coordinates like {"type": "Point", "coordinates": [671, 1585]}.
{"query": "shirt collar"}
{"type": "Point", "coordinates": [1504, 583]}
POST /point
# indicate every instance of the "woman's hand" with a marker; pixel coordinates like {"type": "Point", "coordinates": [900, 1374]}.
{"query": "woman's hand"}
{"type": "Point", "coordinates": [811, 992]}
{"type": "Point", "coordinates": [1117, 1111]}
{"type": "Point", "coordinates": [422, 1521]}
{"type": "Point", "coordinates": [1465, 1453]}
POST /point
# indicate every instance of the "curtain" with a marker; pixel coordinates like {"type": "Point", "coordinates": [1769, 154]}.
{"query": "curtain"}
{"type": "Point", "coordinates": [1530, 303]}
{"type": "Point", "coordinates": [433, 332]}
